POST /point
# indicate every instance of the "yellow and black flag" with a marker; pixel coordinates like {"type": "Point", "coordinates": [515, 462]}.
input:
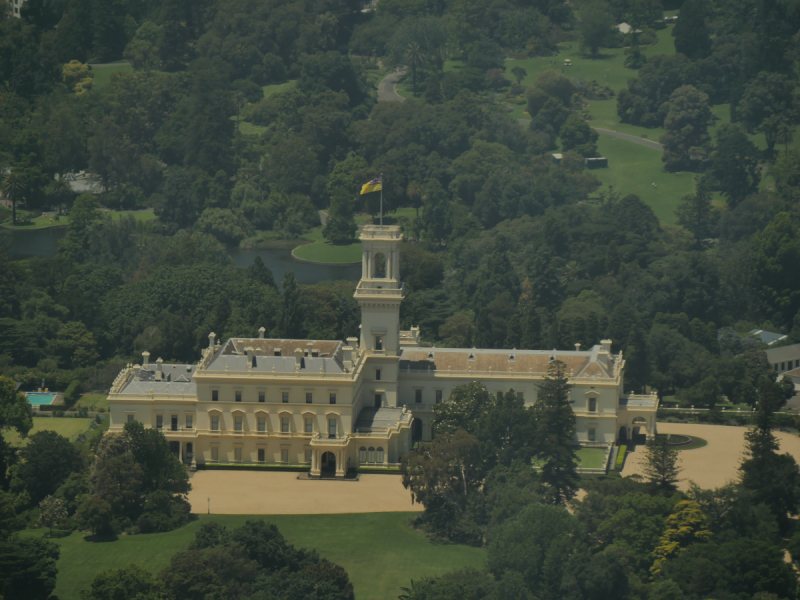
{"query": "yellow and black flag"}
{"type": "Point", "coordinates": [373, 186]}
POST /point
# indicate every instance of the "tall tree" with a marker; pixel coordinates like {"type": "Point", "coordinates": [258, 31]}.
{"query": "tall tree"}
{"type": "Point", "coordinates": [767, 103]}
{"type": "Point", "coordinates": [290, 324]}
{"type": "Point", "coordinates": [595, 26]}
{"type": "Point", "coordinates": [691, 34]}
{"type": "Point", "coordinates": [686, 141]}
{"type": "Point", "coordinates": [555, 421]}
{"type": "Point", "coordinates": [661, 464]}
{"type": "Point", "coordinates": [696, 213]}
{"type": "Point", "coordinates": [13, 187]}
{"type": "Point", "coordinates": [734, 163]}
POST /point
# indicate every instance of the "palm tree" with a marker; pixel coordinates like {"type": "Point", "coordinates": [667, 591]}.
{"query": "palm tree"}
{"type": "Point", "coordinates": [59, 190]}
{"type": "Point", "coordinates": [414, 194]}
{"type": "Point", "coordinates": [12, 187]}
{"type": "Point", "coordinates": [414, 58]}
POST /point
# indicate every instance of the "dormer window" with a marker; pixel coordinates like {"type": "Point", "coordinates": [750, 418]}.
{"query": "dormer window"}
{"type": "Point", "coordinates": [471, 356]}
{"type": "Point", "coordinates": [430, 355]}
{"type": "Point", "coordinates": [511, 357]}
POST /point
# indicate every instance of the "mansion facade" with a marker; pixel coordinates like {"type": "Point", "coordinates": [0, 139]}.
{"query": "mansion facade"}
{"type": "Point", "coordinates": [363, 403]}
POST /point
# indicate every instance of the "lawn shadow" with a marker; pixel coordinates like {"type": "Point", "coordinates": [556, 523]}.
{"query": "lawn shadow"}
{"type": "Point", "coordinates": [101, 539]}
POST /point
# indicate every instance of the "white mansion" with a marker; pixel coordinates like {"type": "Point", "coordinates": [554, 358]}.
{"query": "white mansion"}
{"type": "Point", "coordinates": [363, 403]}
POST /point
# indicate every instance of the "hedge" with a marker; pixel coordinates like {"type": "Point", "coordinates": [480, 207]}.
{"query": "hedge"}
{"type": "Point", "coordinates": [621, 457]}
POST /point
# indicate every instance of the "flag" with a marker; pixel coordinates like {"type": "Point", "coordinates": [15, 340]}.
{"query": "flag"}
{"type": "Point", "coordinates": [373, 186]}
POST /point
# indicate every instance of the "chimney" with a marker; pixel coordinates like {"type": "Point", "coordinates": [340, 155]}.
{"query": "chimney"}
{"type": "Point", "coordinates": [604, 355]}
{"type": "Point", "coordinates": [308, 349]}
{"type": "Point", "coordinates": [211, 337]}
{"type": "Point", "coordinates": [159, 369]}
{"type": "Point", "coordinates": [298, 359]}
{"type": "Point", "coordinates": [137, 372]}
{"type": "Point", "coordinates": [145, 359]}
{"type": "Point", "coordinates": [250, 357]}
{"type": "Point", "coordinates": [353, 342]}
{"type": "Point", "coordinates": [347, 357]}
{"type": "Point", "coordinates": [261, 332]}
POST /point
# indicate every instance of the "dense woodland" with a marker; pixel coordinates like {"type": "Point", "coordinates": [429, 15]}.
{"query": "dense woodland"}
{"type": "Point", "coordinates": [506, 250]}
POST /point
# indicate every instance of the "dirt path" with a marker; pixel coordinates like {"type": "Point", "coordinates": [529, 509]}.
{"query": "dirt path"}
{"type": "Point", "coordinates": [717, 463]}
{"type": "Point", "coordinates": [275, 493]}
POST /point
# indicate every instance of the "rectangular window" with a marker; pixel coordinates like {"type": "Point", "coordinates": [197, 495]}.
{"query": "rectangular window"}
{"type": "Point", "coordinates": [215, 453]}
{"type": "Point", "coordinates": [308, 456]}
{"type": "Point", "coordinates": [591, 434]}
{"type": "Point", "coordinates": [438, 396]}
{"type": "Point", "coordinates": [783, 366]}
{"type": "Point", "coordinates": [159, 421]}
{"type": "Point", "coordinates": [592, 404]}
{"type": "Point", "coordinates": [332, 428]}
{"type": "Point", "coordinates": [333, 398]}
{"type": "Point", "coordinates": [377, 374]}
{"type": "Point", "coordinates": [237, 454]}
{"type": "Point", "coordinates": [238, 423]}
{"type": "Point", "coordinates": [284, 424]}
{"type": "Point", "coordinates": [309, 398]}
{"type": "Point", "coordinates": [379, 455]}
{"type": "Point", "coordinates": [189, 421]}
{"type": "Point", "coordinates": [262, 424]}
{"type": "Point", "coordinates": [174, 422]}
{"type": "Point", "coordinates": [262, 396]}
{"type": "Point", "coordinates": [418, 396]}
{"type": "Point", "coordinates": [237, 395]}
{"type": "Point", "coordinates": [362, 455]}
{"type": "Point", "coordinates": [215, 395]}
{"type": "Point", "coordinates": [284, 455]}
{"type": "Point", "coordinates": [378, 400]}
{"type": "Point", "coordinates": [520, 395]}
{"type": "Point", "coordinates": [262, 455]}
{"type": "Point", "coordinates": [285, 397]}
{"type": "Point", "coordinates": [378, 342]}
{"type": "Point", "coordinates": [215, 423]}
{"type": "Point", "coordinates": [130, 418]}
{"type": "Point", "coordinates": [309, 425]}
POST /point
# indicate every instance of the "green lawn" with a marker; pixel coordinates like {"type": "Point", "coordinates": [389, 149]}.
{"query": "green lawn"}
{"type": "Point", "coordinates": [66, 426]}
{"type": "Point", "coordinates": [380, 552]}
{"type": "Point", "coordinates": [42, 222]}
{"type": "Point", "coordinates": [269, 90]}
{"type": "Point", "coordinates": [93, 400]}
{"type": "Point", "coordinates": [102, 75]}
{"type": "Point", "coordinates": [591, 458]}
{"type": "Point", "coordinates": [320, 250]}
{"type": "Point", "coordinates": [632, 169]}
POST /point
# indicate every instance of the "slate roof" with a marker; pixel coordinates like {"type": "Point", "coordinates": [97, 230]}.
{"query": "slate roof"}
{"type": "Point", "coordinates": [776, 355]}
{"type": "Point", "coordinates": [176, 380]}
{"type": "Point", "coordinates": [581, 363]}
{"type": "Point", "coordinates": [232, 356]}
{"type": "Point", "coordinates": [372, 419]}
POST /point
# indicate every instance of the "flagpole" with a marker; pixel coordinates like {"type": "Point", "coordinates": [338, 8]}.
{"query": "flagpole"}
{"type": "Point", "coordinates": [381, 180]}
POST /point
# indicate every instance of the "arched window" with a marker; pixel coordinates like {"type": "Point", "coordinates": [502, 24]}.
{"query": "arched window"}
{"type": "Point", "coordinates": [371, 455]}
{"type": "Point", "coordinates": [379, 456]}
{"type": "Point", "coordinates": [379, 269]}
{"type": "Point", "coordinates": [362, 455]}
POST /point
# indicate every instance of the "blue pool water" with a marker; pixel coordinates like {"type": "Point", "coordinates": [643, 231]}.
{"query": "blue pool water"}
{"type": "Point", "coordinates": [39, 398]}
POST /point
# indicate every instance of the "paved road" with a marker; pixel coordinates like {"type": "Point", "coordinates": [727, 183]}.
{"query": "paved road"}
{"type": "Point", "coordinates": [386, 93]}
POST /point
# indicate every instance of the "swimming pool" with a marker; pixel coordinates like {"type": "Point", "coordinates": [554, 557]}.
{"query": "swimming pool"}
{"type": "Point", "coordinates": [40, 398]}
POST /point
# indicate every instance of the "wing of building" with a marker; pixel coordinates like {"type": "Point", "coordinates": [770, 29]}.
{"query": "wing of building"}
{"type": "Point", "coordinates": [335, 405]}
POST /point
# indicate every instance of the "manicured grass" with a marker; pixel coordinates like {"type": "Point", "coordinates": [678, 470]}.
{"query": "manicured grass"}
{"type": "Point", "coordinates": [246, 128]}
{"type": "Point", "coordinates": [634, 168]}
{"type": "Point", "coordinates": [320, 250]}
{"type": "Point", "coordinates": [591, 458]}
{"type": "Point", "coordinates": [93, 400]}
{"type": "Point", "coordinates": [43, 222]}
{"type": "Point", "coordinates": [102, 75]}
{"type": "Point", "coordinates": [269, 90]}
{"type": "Point", "coordinates": [380, 552]}
{"type": "Point", "coordinates": [66, 426]}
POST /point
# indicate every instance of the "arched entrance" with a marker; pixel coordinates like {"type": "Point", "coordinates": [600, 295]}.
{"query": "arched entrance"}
{"type": "Point", "coordinates": [623, 434]}
{"type": "Point", "coordinates": [328, 466]}
{"type": "Point", "coordinates": [416, 430]}
{"type": "Point", "coordinates": [639, 425]}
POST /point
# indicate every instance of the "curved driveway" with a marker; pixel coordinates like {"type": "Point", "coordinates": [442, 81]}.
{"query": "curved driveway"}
{"type": "Point", "coordinates": [387, 93]}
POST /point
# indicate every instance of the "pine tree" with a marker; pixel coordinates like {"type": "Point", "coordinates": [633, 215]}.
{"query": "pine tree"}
{"type": "Point", "coordinates": [340, 226]}
{"type": "Point", "coordinates": [661, 464]}
{"type": "Point", "coordinates": [290, 323]}
{"type": "Point", "coordinates": [555, 423]}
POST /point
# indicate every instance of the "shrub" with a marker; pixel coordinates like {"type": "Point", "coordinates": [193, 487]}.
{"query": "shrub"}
{"type": "Point", "coordinates": [621, 457]}
{"type": "Point", "coordinates": [72, 393]}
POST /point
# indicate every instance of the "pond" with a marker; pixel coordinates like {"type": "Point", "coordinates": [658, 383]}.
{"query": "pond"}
{"type": "Point", "coordinates": [280, 261]}
{"type": "Point", "coordinates": [44, 243]}
{"type": "Point", "coordinates": [22, 243]}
